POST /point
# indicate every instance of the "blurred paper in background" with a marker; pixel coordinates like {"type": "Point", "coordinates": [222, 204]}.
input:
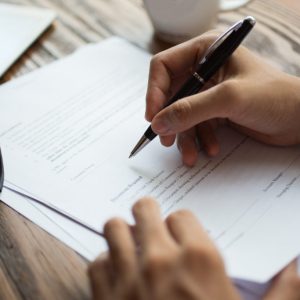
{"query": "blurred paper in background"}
{"type": "Point", "coordinates": [20, 26]}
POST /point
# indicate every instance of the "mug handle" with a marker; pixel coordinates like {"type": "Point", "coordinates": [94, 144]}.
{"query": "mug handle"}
{"type": "Point", "coordinates": [226, 5]}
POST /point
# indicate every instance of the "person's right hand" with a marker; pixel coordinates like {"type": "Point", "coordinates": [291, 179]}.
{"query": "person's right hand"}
{"type": "Point", "coordinates": [250, 95]}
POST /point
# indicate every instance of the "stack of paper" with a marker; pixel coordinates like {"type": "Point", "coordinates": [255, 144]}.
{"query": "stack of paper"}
{"type": "Point", "coordinates": [66, 132]}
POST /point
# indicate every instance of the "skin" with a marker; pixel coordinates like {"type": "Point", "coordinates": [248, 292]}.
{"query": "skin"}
{"type": "Point", "coordinates": [246, 94]}
{"type": "Point", "coordinates": [172, 259]}
{"type": "Point", "coordinates": [175, 259]}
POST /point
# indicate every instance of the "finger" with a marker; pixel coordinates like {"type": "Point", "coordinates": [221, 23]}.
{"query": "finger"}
{"type": "Point", "coordinates": [208, 138]}
{"type": "Point", "coordinates": [291, 269]}
{"type": "Point", "coordinates": [217, 102]}
{"type": "Point", "coordinates": [121, 247]}
{"type": "Point", "coordinates": [100, 278]}
{"type": "Point", "coordinates": [186, 230]}
{"type": "Point", "coordinates": [286, 285]}
{"type": "Point", "coordinates": [167, 140]}
{"type": "Point", "coordinates": [169, 64]}
{"type": "Point", "coordinates": [150, 229]}
{"type": "Point", "coordinates": [158, 90]}
{"type": "Point", "coordinates": [188, 147]}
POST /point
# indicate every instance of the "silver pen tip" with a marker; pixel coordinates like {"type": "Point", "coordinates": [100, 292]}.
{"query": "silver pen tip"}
{"type": "Point", "coordinates": [139, 146]}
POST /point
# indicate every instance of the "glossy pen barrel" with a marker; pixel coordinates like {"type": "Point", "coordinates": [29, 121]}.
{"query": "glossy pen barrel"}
{"type": "Point", "coordinates": [212, 61]}
{"type": "Point", "coordinates": [217, 58]}
{"type": "Point", "coordinates": [191, 87]}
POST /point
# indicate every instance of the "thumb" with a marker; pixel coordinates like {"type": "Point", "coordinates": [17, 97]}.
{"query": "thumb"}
{"type": "Point", "coordinates": [190, 111]}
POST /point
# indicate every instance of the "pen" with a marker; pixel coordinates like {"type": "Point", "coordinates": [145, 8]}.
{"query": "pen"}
{"type": "Point", "coordinates": [215, 57]}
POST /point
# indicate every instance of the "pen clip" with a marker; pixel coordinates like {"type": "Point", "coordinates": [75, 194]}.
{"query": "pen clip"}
{"type": "Point", "coordinates": [220, 40]}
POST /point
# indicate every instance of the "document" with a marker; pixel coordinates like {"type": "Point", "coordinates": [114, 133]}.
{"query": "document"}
{"type": "Point", "coordinates": [88, 244]}
{"type": "Point", "coordinates": [66, 132]}
{"type": "Point", "coordinates": [84, 242]}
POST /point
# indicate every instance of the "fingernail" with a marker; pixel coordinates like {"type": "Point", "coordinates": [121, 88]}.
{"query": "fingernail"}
{"type": "Point", "coordinates": [160, 126]}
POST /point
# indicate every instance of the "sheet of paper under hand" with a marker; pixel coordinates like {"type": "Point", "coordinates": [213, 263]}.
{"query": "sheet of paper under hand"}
{"type": "Point", "coordinates": [66, 132]}
{"type": "Point", "coordinates": [85, 243]}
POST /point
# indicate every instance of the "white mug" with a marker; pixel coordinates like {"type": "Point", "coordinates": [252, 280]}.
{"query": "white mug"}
{"type": "Point", "coordinates": [179, 20]}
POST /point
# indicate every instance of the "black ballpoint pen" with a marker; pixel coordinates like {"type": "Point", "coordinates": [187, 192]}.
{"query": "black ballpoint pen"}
{"type": "Point", "coordinates": [215, 57]}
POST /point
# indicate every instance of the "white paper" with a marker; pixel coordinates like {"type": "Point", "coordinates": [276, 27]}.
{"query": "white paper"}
{"type": "Point", "coordinates": [74, 124]}
{"type": "Point", "coordinates": [20, 26]}
{"type": "Point", "coordinates": [90, 246]}
{"type": "Point", "coordinates": [81, 240]}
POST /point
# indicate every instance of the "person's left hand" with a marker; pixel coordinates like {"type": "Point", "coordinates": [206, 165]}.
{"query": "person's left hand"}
{"type": "Point", "coordinates": [173, 260]}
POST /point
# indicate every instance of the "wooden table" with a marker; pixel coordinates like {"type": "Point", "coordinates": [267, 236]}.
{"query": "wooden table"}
{"type": "Point", "coordinates": [33, 264]}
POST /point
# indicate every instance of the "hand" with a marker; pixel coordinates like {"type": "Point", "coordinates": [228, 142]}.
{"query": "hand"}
{"type": "Point", "coordinates": [174, 260]}
{"type": "Point", "coordinates": [286, 285]}
{"type": "Point", "coordinates": [246, 93]}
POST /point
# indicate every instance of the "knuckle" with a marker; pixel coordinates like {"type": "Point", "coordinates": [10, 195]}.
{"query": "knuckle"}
{"type": "Point", "coordinates": [205, 256]}
{"type": "Point", "coordinates": [156, 263]}
{"type": "Point", "coordinates": [155, 60]}
{"type": "Point", "coordinates": [230, 89]}
{"type": "Point", "coordinates": [181, 111]}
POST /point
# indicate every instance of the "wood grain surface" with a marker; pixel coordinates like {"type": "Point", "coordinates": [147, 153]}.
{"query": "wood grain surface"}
{"type": "Point", "coordinates": [33, 264]}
